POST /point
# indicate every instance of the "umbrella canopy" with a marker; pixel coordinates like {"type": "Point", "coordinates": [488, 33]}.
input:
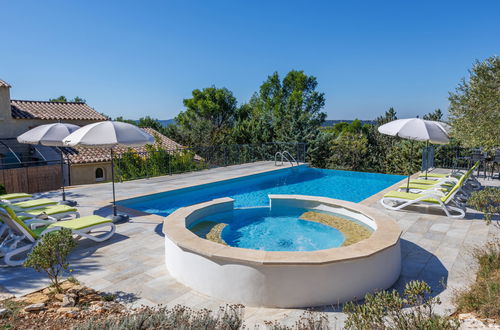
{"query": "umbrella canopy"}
{"type": "Point", "coordinates": [48, 135]}
{"type": "Point", "coordinates": [109, 134]}
{"type": "Point", "coordinates": [417, 129]}
{"type": "Point", "coordinates": [51, 135]}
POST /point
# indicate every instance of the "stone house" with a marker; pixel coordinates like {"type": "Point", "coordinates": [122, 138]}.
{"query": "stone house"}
{"type": "Point", "coordinates": [84, 165]}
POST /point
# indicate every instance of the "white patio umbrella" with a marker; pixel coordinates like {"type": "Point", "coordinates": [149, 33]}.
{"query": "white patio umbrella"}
{"type": "Point", "coordinates": [416, 129]}
{"type": "Point", "coordinates": [51, 135]}
{"type": "Point", "coordinates": [110, 134]}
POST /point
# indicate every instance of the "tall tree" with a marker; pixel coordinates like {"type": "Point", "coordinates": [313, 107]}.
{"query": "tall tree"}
{"type": "Point", "coordinates": [389, 115]}
{"type": "Point", "coordinates": [437, 115]}
{"type": "Point", "coordinates": [285, 110]}
{"type": "Point", "coordinates": [209, 117]}
{"type": "Point", "coordinates": [475, 106]}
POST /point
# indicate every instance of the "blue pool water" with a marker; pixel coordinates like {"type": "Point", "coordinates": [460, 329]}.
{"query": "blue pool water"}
{"type": "Point", "coordinates": [275, 230]}
{"type": "Point", "coordinates": [253, 190]}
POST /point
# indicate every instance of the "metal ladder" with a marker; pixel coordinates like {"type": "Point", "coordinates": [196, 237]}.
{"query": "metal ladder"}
{"type": "Point", "coordinates": [285, 155]}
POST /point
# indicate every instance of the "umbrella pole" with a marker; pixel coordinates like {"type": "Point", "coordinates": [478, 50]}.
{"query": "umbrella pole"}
{"type": "Point", "coordinates": [426, 164]}
{"type": "Point", "coordinates": [113, 182]}
{"type": "Point", "coordinates": [409, 168]}
{"type": "Point", "coordinates": [62, 176]}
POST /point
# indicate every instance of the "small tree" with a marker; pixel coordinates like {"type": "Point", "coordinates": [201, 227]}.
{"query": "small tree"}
{"type": "Point", "coordinates": [51, 253]}
{"type": "Point", "coordinates": [475, 106]}
{"type": "Point", "coordinates": [486, 201]}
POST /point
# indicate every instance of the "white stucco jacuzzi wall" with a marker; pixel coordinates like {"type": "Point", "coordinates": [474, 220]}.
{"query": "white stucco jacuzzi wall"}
{"type": "Point", "coordinates": [283, 279]}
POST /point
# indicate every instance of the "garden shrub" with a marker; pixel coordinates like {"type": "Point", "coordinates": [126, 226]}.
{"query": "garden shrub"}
{"type": "Point", "coordinates": [179, 317]}
{"type": "Point", "coordinates": [2, 189]}
{"type": "Point", "coordinates": [51, 253]}
{"type": "Point", "coordinates": [486, 201]}
{"type": "Point", "coordinates": [390, 310]}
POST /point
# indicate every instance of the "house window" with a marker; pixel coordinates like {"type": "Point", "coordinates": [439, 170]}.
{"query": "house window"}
{"type": "Point", "coordinates": [99, 174]}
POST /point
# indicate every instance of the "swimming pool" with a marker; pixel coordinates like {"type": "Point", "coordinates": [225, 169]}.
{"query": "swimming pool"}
{"type": "Point", "coordinates": [253, 190]}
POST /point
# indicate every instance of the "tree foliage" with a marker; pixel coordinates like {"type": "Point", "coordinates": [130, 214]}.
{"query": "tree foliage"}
{"type": "Point", "coordinates": [284, 110]}
{"type": "Point", "coordinates": [437, 115]}
{"type": "Point", "coordinates": [209, 117]}
{"type": "Point", "coordinates": [475, 106]}
{"type": "Point", "coordinates": [63, 98]}
{"type": "Point", "coordinates": [50, 255]}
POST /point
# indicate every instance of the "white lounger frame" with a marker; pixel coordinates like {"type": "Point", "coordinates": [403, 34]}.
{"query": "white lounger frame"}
{"type": "Point", "coordinates": [451, 211]}
{"type": "Point", "coordinates": [9, 247]}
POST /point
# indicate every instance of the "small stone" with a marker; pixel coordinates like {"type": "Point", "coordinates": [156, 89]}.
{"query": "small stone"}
{"type": "Point", "coordinates": [76, 289]}
{"type": "Point", "coordinates": [66, 285]}
{"type": "Point", "coordinates": [465, 316]}
{"type": "Point", "coordinates": [71, 312]}
{"type": "Point", "coordinates": [59, 296]}
{"type": "Point", "coordinates": [34, 307]}
{"type": "Point", "coordinates": [35, 298]}
{"type": "Point", "coordinates": [3, 312]}
{"type": "Point", "coordinates": [68, 301]}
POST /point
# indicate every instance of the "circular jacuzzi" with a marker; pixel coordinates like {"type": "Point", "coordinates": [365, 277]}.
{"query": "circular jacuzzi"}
{"type": "Point", "coordinates": [300, 251]}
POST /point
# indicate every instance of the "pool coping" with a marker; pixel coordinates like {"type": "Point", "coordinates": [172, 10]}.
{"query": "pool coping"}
{"type": "Point", "coordinates": [385, 236]}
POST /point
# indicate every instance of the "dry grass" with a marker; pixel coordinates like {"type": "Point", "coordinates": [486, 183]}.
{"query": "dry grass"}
{"type": "Point", "coordinates": [483, 297]}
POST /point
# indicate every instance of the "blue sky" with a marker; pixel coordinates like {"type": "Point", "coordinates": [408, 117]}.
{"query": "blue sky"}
{"type": "Point", "coordinates": [137, 58]}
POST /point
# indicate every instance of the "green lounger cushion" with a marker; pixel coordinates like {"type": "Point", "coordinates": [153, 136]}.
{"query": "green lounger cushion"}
{"type": "Point", "coordinates": [34, 203]}
{"type": "Point", "coordinates": [51, 210]}
{"type": "Point", "coordinates": [15, 196]}
{"type": "Point", "coordinates": [435, 175]}
{"type": "Point", "coordinates": [429, 182]}
{"type": "Point", "coordinates": [424, 186]}
{"type": "Point", "coordinates": [76, 224]}
{"type": "Point", "coordinates": [411, 196]}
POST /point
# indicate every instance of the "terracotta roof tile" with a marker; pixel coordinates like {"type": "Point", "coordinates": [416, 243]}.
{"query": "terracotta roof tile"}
{"type": "Point", "coordinates": [83, 155]}
{"type": "Point", "coordinates": [4, 84]}
{"type": "Point", "coordinates": [53, 110]}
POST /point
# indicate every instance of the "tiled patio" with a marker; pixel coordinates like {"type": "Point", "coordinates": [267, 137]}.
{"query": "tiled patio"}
{"type": "Point", "coordinates": [435, 248]}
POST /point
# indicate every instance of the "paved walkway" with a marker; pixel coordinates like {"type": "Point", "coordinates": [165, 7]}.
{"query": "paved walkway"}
{"type": "Point", "coordinates": [435, 248]}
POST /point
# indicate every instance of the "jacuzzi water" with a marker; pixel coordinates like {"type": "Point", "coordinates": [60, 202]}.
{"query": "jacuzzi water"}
{"type": "Point", "coordinates": [252, 190]}
{"type": "Point", "coordinates": [280, 229]}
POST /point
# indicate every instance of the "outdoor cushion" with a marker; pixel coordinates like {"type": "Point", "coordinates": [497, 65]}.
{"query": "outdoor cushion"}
{"type": "Point", "coordinates": [423, 186]}
{"type": "Point", "coordinates": [15, 196]}
{"type": "Point", "coordinates": [76, 224]}
{"type": "Point", "coordinates": [34, 203]}
{"type": "Point", "coordinates": [430, 182]}
{"type": "Point", "coordinates": [410, 196]}
{"type": "Point", "coordinates": [51, 210]}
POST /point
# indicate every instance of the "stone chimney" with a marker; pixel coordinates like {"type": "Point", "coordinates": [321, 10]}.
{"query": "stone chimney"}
{"type": "Point", "coordinates": [5, 114]}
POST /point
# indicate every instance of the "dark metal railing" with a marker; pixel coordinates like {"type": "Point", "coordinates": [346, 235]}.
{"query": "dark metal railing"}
{"type": "Point", "coordinates": [154, 162]}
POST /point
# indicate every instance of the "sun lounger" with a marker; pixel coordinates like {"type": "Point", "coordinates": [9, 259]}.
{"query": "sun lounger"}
{"type": "Point", "coordinates": [397, 200]}
{"type": "Point", "coordinates": [15, 197]}
{"type": "Point", "coordinates": [22, 238]}
{"type": "Point", "coordinates": [33, 204]}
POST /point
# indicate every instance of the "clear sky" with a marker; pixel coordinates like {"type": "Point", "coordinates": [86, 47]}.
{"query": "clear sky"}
{"type": "Point", "coordinates": [137, 58]}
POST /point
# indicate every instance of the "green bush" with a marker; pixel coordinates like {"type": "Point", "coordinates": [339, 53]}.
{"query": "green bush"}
{"type": "Point", "coordinates": [2, 189]}
{"type": "Point", "coordinates": [390, 310]}
{"type": "Point", "coordinates": [486, 201]}
{"type": "Point", "coordinates": [51, 253]}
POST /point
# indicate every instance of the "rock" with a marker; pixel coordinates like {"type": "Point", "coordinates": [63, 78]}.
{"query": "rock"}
{"type": "Point", "coordinates": [3, 312]}
{"type": "Point", "coordinates": [76, 289]}
{"type": "Point", "coordinates": [71, 312]}
{"type": "Point", "coordinates": [66, 285]}
{"type": "Point", "coordinates": [35, 298]}
{"type": "Point", "coordinates": [5, 296]}
{"type": "Point", "coordinates": [68, 301]}
{"type": "Point", "coordinates": [34, 307]}
{"type": "Point", "coordinates": [59, 296]}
